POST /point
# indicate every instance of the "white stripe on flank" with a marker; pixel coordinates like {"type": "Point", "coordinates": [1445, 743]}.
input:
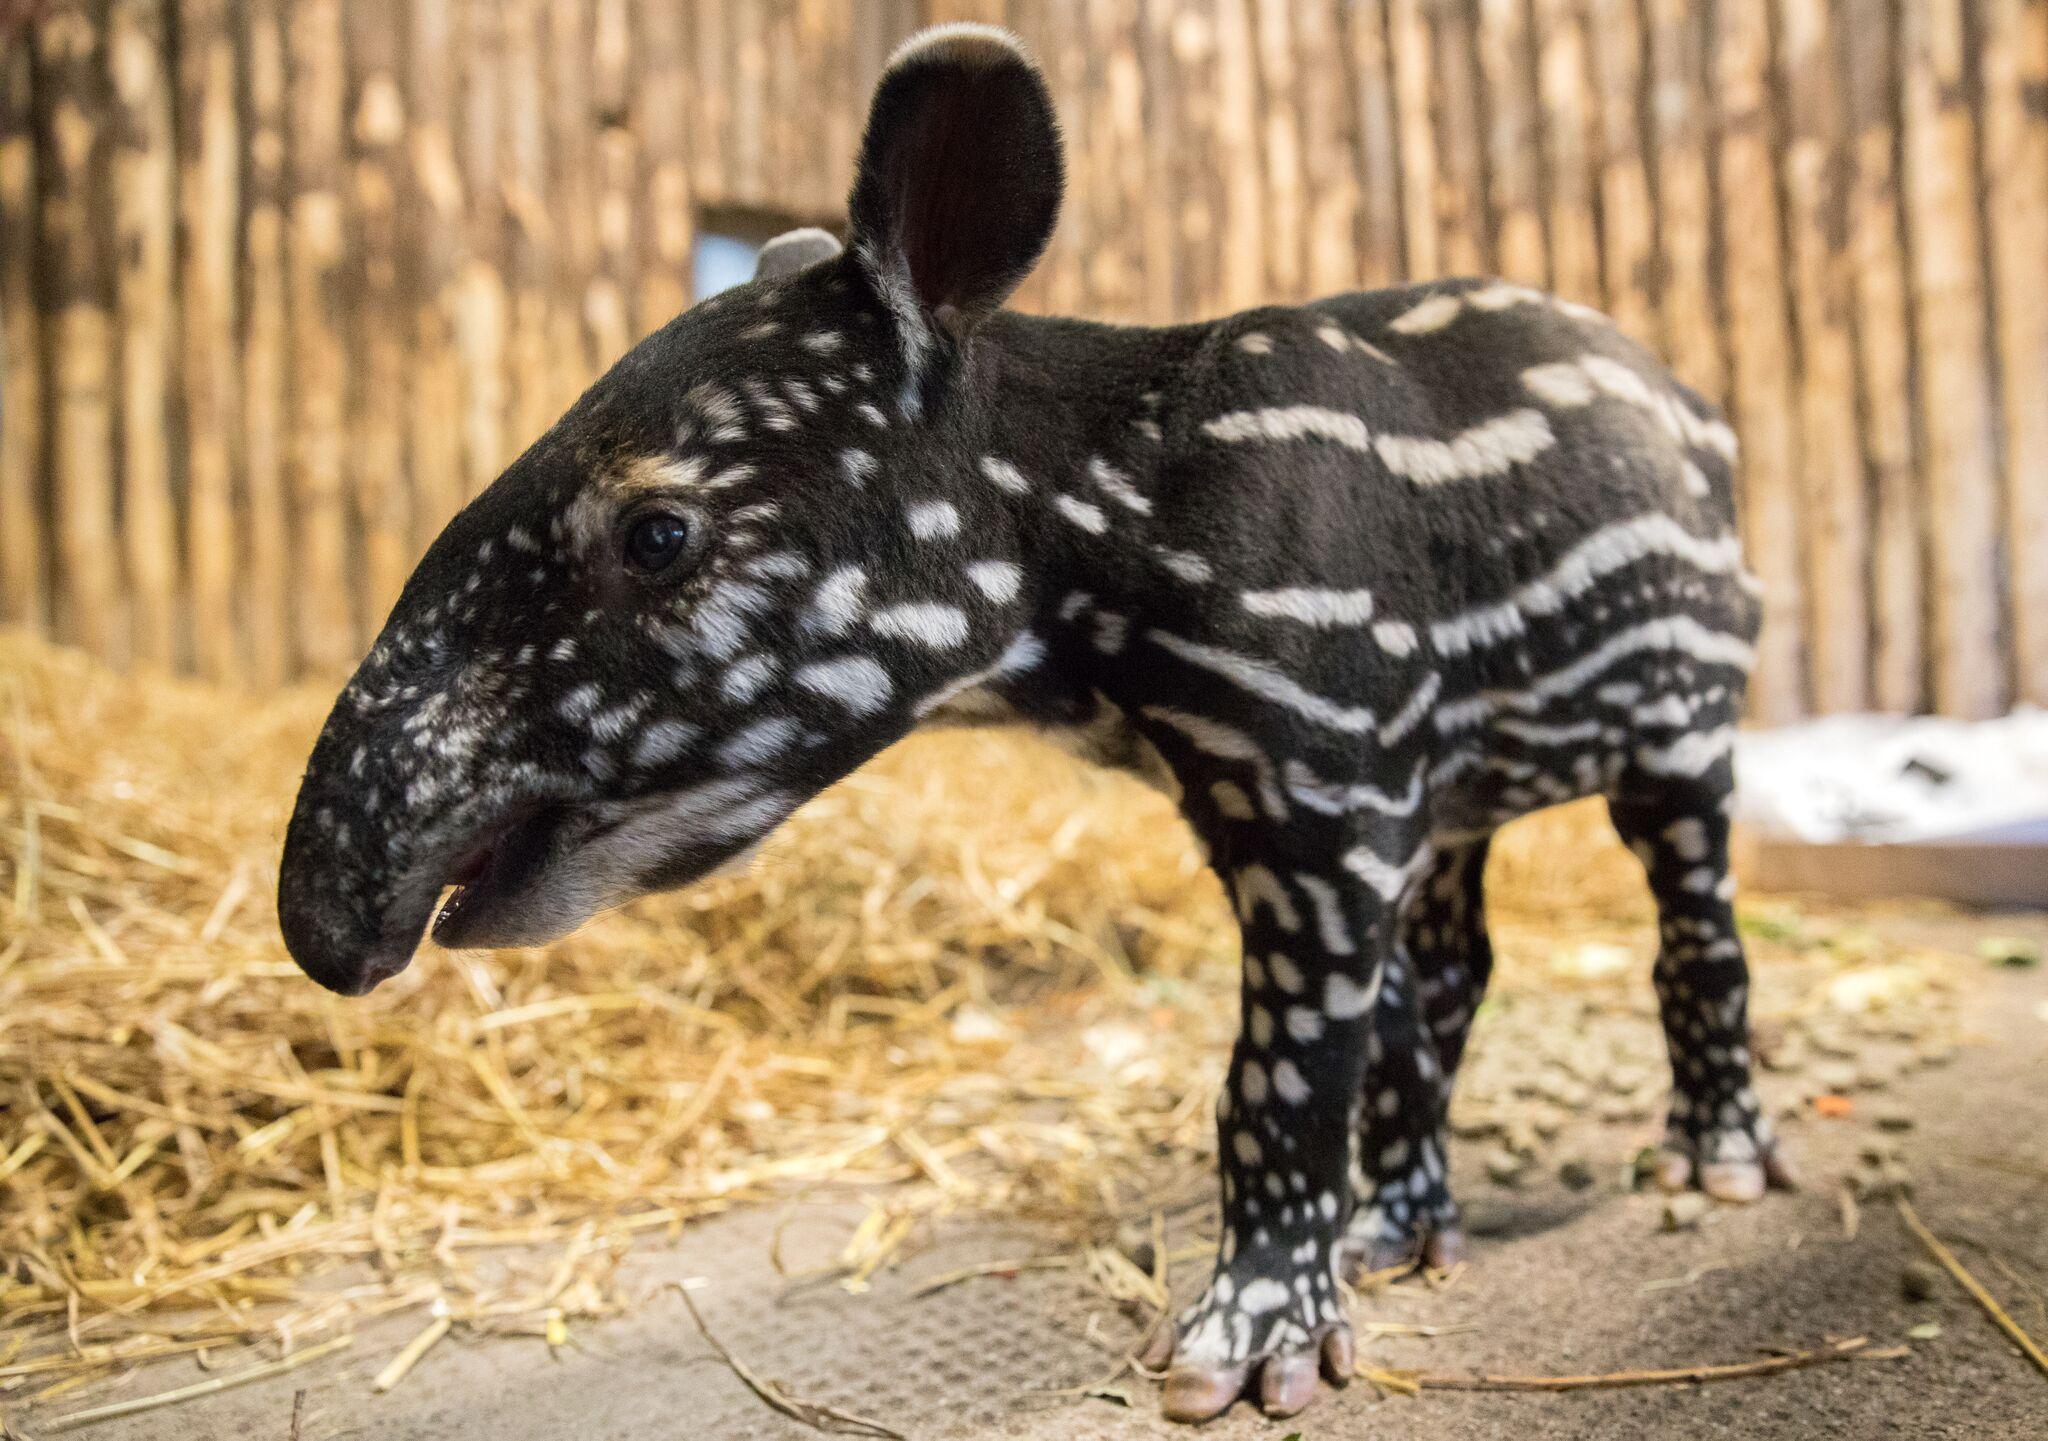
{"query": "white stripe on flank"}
{"type": "Point", "coordinates": [1212, 737]}
{"type": "Point", "coordinates": [1689, 755]}
{"type": "Point", "coordinates": [1311, 606]}
{"type": "Point", "coordinates": [1493, 447]}
{"type": "Point", "coordinates": [1332, 799]}
{"type": "Point", "coordinates": [1395, 637]}
{"type": "Point", "coordinates": [1431, 314]}
{"type": "Point", "coordinates": [1117, 486]}
{"type": "Point", "coordinates": [1570, 384]}
{"type": "Point", "coordinates": [1290, 422]}
{"type": "Point", "coordinates": [1609, 549]}
{"type": "Point", "coordinates": [1410, 715]}
{"type": "Point", "coordinates": [1267, 683]}
{"type": "Point", "coordinates": [1535, 734]}
{"type": "Point", "coordinates": [1677, 632]}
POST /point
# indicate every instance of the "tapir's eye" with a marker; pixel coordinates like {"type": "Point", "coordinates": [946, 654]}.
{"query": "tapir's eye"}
{"type": "Point", "coordinates": [655, 540]}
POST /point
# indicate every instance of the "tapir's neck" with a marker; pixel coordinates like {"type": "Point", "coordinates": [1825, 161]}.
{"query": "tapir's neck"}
{"type": "Point", "coordinates": [1082, 411]}
{"type": "Point", "coordinates": [1076, 425]}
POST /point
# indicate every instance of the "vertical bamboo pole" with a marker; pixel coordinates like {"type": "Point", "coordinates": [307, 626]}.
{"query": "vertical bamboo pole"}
{"type": "Point", "coordinates": [530, 239]}
{"type": "Point", "coordinates": [1760, 346]}
{"type": "Point", "coordinates": [1627, 228]}
{"type": "Point", "coordinates": [1279, 81]}
{"type": "Point", "coordinates": [21, 350]}
{"type": "Point", "coordinates": [747, 74]}
{"type": "Point", "coordinates": [1195, 192]}
{"type": "Point", "coordinates": [667, 217]}
{"type": "Point", "coordinates": [1245, 275]}
{"type": "Point", "coordinates": [316, 250]}
{"type": "Point", "coordinates": [1570, 181]}
{"type": "Point", "coordinates": [1382, 249]}
{"type": "Point", "coordinates": [712, 96]}
{"type": "Point", "coordinates": [145, 219]}
{"type": "Point", "coordinates": [210, 204]}
{"type": "Point", "coordinates": [845, 104]}
{"type": "Point", "coordinates": [1119, 132]}
{"type": "Point", "coordinates": [1159, 80]}
{"type": "Point", "coordinates": [571, 203]}
{"type": "Point", "coordinates": [1464, 229]}
{"type": "Point", "coordinates": [378, 311]}
{"type": "Point", "coordinates": [608, 306]}
{"type": "Point", "coordinates": [433, 240]}
{"type": "Point", "coordinates": [269, 599]}
{"type": "Point", "coordinates": [1681, 119]}
{"type": "Point", "coordinates": [2015, 89]}
{"type": "Point", "coordinates": [1955, 388]}
{"type": "Point", "coordinates": [483, 321]}
{"type": "Point", "coordinates": [1832, 468]}
{"type": "Point", "coordinates": [1409, 51]}
{"type": "Point", "coordinates": [1329, 148]}
{"type": "Point", "coordinates": [76, 276]}
{"type": "Point", "coordinates": [1878, 317]}
{"type": "Point", "coordinates": [1508, 81]}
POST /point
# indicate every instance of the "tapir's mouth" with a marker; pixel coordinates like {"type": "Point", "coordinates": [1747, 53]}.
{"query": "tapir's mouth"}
{"type": "Point", "coordinates": [501, 861]}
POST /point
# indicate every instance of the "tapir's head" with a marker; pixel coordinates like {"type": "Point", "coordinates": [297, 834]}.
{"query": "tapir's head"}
{"type": "Point", "coordinates": [743, 563]}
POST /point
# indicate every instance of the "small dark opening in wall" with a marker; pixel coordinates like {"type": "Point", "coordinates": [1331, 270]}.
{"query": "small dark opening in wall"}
{"type": "Point", "coordinates": [729, 241]}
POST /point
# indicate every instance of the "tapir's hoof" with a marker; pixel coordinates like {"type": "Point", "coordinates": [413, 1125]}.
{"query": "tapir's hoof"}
{"type": "Point", "coordinates": [1436, 1250]}
{"type": "Point", "coordinates": [1740, 1182]}
{"type": "Point", "coordinates": [1285, 1378]}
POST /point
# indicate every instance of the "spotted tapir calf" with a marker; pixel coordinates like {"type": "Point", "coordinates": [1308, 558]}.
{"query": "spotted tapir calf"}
{"type": "Point", "coordinates": [1358, 581]}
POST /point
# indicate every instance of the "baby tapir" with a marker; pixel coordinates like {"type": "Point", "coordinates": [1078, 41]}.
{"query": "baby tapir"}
{"type": "Point", "coordinates": [1359, 581]}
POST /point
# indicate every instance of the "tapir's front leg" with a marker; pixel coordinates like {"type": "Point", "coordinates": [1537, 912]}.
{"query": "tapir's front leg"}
{"type": "Point", "coordinates": [1314, 944]}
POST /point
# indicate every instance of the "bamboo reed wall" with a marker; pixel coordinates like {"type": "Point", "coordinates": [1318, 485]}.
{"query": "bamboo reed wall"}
{"type": "Point", "coordinates": [283, 281]}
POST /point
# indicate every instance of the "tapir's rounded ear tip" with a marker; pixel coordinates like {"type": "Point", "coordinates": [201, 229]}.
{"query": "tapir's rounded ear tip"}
{"type": "Point", "coordinates": [961, 42]}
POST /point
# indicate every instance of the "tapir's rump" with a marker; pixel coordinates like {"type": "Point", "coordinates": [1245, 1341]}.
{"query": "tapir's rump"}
{"type": "Point", "coordinates": [1356, 581]}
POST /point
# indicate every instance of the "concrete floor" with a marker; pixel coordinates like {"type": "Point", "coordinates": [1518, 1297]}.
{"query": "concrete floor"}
{"type": "Point", "coordinates": [1560, 1281]}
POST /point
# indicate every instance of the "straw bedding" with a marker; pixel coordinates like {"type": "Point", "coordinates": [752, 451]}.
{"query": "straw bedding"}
{"type": "Point", "coordinates": [972, 976]}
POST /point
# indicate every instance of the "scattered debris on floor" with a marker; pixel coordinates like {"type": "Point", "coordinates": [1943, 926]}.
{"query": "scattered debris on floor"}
{"type": "Point", "coordinates": [972, 978]}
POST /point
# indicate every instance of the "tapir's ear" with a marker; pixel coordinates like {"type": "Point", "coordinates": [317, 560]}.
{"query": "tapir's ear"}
{"type": "Point", "coordinates": [794, 250]}
{"type": "Point", "coordinates": [960, 176]}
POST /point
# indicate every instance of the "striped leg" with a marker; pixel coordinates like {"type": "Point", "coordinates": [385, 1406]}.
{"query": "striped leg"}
{"type": "Point", "coordinates": [1314, 944]}
{"type": "Point", "coordinates": [1435, 979]}
{"type": "Point", "coordinates": [1717, 1136]}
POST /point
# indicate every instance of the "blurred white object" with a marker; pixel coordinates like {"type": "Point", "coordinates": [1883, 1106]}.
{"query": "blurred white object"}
{"type": "Point", "coordinates": [1886, 805]}
{"type": "Point", "coordinates": [1895, 779]}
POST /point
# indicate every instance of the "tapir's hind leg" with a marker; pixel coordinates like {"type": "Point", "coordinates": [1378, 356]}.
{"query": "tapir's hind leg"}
{"type": "Point", "coordinates": [1717, 1137]}
{"type": "Point", "coordinates": [1402, 1206]}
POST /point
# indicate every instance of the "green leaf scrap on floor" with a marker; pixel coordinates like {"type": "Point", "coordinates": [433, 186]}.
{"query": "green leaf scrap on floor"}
{"type": "Point", "coordinates": [2012, 952]}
